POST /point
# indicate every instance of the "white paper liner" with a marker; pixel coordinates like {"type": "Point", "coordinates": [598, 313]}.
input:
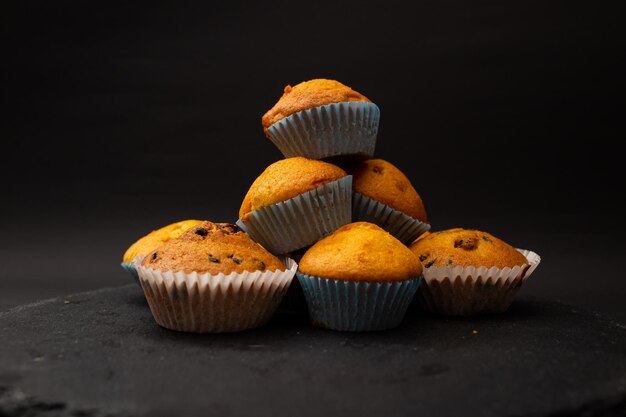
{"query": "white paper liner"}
{"type": "Point", "coordinates": [402, 226]}
{"type": "Point", "coordinates": [303, 220]}
{"type": "Point", "coordinates": [333, 129]}
{"type": "Point", "coordinates": [462, 291]}
{"type": "Point", "coordinates": [205, 303]}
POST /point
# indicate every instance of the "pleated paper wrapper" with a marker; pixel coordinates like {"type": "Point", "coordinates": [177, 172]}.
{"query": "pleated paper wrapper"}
{"type": "Point", "coordinates": [205, 303]}
{"type": "Point", "coordinates": [132, 271]}
{"type": "Point", "coordinates": [463, 291]}
{"type": "Point", "coordinates": [347, 128]}
{"type": "Point", "coordinates": [303, 220]}
{"type": "Point", "coordinates": [402, 226]}
{"type": "Point", "coordinates": [357, 306]}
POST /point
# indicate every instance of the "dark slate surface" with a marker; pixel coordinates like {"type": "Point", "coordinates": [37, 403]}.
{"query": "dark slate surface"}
{"type": "Point", "coordinates": [100, 353]}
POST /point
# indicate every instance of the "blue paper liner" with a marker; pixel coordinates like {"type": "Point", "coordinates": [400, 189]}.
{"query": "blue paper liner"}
{"type": "Point", "coordinates": [347, 128]}
{"type": "Point", "coordinates": [357, 306]}
{"type": "Point", "coordinates": [401, 226]}
{"type": "Point", "coordinates": [303, 220]}
{"type": "Point", "coordinates": [130, 268]}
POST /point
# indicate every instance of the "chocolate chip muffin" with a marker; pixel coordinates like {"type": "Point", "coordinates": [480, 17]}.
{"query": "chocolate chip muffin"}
{"type": "Point", "coordinates": [214, 248]}
{"type": "Point", "coordinates": [383, 182]}
{"type": "Point", "coordinates": [461, 247]}
{"type": "Point", "coordinates": [470, 272]}
{"type": "Point", "coordinates": [157, 238]}
{"type": "Point", "coordinates": [309, 94]}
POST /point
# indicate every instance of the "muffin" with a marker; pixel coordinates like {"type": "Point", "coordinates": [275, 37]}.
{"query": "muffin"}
{"type": "Point", "coordinates": [322, 118]}
{"type": "Point", "coordinates": [470, 272]}
{"type": "Point", "coordinates": [360, 278]}
{"type": "Point", "coordinates": [213, 279]}
{"type": "Point", "coordinates": [383, 195]}
{"type": "Point", "coordinates": [295, 202]}
{"type": "Point", "coordinates": [152, 241]}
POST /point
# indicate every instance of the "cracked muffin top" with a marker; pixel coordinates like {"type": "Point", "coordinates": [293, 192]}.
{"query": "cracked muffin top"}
{"type": "Point", "coordinates": [156, 238]}
{"type": "Point", "coordinates": [461, 247]}
{"type": "Point", "coordinates": [286, 179]}
{"type": "Point", "coordinates": [360, 251]}
{"type": "Point", "coordinates": [309, 94]}
{"type": "Point", "coordinates": [213, 248]}
{"type": "Point", "coordinates": [383, 182]}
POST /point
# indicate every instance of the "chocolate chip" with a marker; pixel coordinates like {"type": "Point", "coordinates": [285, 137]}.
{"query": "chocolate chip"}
{"type": "Point", "coordinates": [429, 264]}
{"type": "Point", "coordinates": [260, 264]}
{"type": "Point", "coordinates": [450, 261]}
{"type": "Point", "coordinates": [214, 259]}
{"type": "Point", "coordinates": [235, 259]}
{"type": "Point", "coordinates": [201, 231]}
{"type": "Point", "coordinates": [423, 257]}
{"type": "Point", "coordinates": [378, 170]}
{"type": "Point", "coordinates": [228, 228]}
{"type": "Point", "coordinates": [153, 257]}
{"type": "Point", "coordinates": [467, 244]}
{"type": "Point", "coordinates": [486, 239]}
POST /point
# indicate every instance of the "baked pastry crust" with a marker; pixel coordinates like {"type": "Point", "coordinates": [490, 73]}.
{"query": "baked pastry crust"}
{"type": "Point", "coordinates": [286, 179]}
{"type": "Point", "coordinates": [213, 248]}
{"type": "Point", "coordinates": [309, 94]}
{"type": "Point", "coordinates": [383, 182]}
{"type": "Point", "coordinates": [156, 238]}
{"type": "Point", "coordinates": [360, 251]}
{"type": "Point", "coordinates": [461, 247]}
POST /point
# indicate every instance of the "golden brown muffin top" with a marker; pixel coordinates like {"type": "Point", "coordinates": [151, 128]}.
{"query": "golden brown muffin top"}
{"type": "Point", "coordinates": [360, 252]}
{"type": "Point", "coordinates": [213, 248]}
{"type": "Point", "coordinates": [156, 238]}
{"type": "Point", "coordinates": [382, 181]}
{"type": "Point", "coordinates": [286, 179]}
{"type": "Point", "coordinates": [309, 94]}
{"type": "Point", "coordinates": [460, 247]}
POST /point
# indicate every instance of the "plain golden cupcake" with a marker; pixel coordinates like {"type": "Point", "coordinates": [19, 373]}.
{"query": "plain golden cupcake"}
{"type": "Point", "coordinates": [152, 241]}
{"type": "Point", "coordinates": [322, 118]}
{"type": "Point", "coordinates": [213, 278]}
{"type": "Point", "coordinates": [470, 271]}
{"type": "Point", "coordinates": [385, 196]}
{"type": "Point", "coordinates": [295, 202]}
{"type": "Point", "coordinates": [359, 278]}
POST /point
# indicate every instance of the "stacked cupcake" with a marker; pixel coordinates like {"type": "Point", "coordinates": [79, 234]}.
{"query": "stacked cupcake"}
{"type": "Point", "coordinates": [346, 217]}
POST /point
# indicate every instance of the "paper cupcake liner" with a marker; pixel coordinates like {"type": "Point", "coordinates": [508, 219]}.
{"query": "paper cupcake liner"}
{"type": "Point", "coordinates": [357, 306]}
{"type": "Point", "coordinates": [205, 303]}
{"type": "Point", "coordinates": [333, 129]}
{"type": "Point", "coordinates": [130, 268]}
{"type": "Point", "coordinates": [402, 226]}
{"type": "Point", "coordinates": [463, 291]}
{"type": "Point", "coordinates": [301, 221]}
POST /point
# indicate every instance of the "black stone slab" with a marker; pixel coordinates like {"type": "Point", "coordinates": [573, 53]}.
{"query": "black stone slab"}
{"type": "Point", "coordinates": [100, 353]}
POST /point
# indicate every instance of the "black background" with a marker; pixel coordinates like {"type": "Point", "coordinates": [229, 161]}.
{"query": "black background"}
{"type": "Point", "coordinates": [126, 116]}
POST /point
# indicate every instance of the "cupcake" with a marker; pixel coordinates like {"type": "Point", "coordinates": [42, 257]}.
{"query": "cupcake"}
{"type": "Point", "coordinates": [295, 202]}
{"type": "Point", "coordinates": [360, 278]}
{"type": "Point", "coordinates": [322, 118]}
{"type": "Point", "coordinates": [153, 240]}
{"type": "Point", "coordinates": [213, 279]}
{"type": "Point", "coordinates": [470, 272]}
{"type": "Point", "coordinates": [383, 195]}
